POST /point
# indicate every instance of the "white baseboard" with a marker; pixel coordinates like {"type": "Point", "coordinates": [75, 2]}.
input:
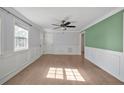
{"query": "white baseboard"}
{"type": "Point", "coordinates": [110, 61]}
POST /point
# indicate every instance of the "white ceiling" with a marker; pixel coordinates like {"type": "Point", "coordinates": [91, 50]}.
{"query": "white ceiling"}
{"type": "Point", "coordinates": [45, 16]}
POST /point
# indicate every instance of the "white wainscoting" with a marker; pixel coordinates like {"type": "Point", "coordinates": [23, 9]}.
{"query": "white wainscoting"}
{"type": "Point", "coordinates": [110, 61]}
{"type": "Point", "coordinates": [17, 61]}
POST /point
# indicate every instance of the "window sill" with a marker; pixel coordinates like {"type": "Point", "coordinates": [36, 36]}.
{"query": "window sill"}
{"type": "Point", "coordinates": [21, 50]}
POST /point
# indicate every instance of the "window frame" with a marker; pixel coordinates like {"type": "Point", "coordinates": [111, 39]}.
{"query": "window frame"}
{"type": "Point", "coordinates": [27, 30]}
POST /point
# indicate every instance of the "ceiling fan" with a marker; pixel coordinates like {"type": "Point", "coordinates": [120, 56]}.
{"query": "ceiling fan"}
{"type": "Point", "coordinates": [64, 24]}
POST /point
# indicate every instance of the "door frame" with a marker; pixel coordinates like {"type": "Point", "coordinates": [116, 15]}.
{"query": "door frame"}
{"type": "Point", "coordinates": [82, 33]}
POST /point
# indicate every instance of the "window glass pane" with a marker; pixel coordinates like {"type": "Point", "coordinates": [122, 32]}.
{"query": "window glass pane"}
{"type": "Point", "coordinates": [21, 38]}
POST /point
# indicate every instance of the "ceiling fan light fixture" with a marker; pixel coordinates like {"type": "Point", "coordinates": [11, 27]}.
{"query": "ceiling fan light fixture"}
{"type": "Point", "coordinates": [64, 25]}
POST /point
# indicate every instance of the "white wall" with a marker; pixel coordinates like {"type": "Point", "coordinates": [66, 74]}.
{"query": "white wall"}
{"type": "Point", "coordinates": [13, 62]}
{"type": "Point", "coordinates": [62, 42]}
{"type": "Point", "coordinates": [110, 61]}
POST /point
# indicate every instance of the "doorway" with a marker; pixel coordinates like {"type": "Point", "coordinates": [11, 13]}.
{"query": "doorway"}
{"type": "Point", "coordinates": [82, 43]}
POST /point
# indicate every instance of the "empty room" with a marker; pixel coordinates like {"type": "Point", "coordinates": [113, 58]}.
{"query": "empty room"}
{"type": "Point", "coordinates": [61, 45]}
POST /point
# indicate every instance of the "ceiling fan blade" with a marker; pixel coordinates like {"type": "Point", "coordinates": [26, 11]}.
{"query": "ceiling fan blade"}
{"type": "Point", "coordinates": [55, 25]}
{"type": "Point", "coordinates": [71, 26]}
{"type": "Point", "coordinates": [65, 19]}
{"type": "Point", "coordinates": [57, 28]}
{"type": "Point", "coordinates": [67, 23]}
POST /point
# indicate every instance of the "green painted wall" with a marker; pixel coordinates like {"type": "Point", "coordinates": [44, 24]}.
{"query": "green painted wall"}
{"type": "Point", "coordinates": [107, 34]}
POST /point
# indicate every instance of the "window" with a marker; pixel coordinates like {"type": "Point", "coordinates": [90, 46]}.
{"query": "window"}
{"type": "Point", "coordinates": [21, 38]}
